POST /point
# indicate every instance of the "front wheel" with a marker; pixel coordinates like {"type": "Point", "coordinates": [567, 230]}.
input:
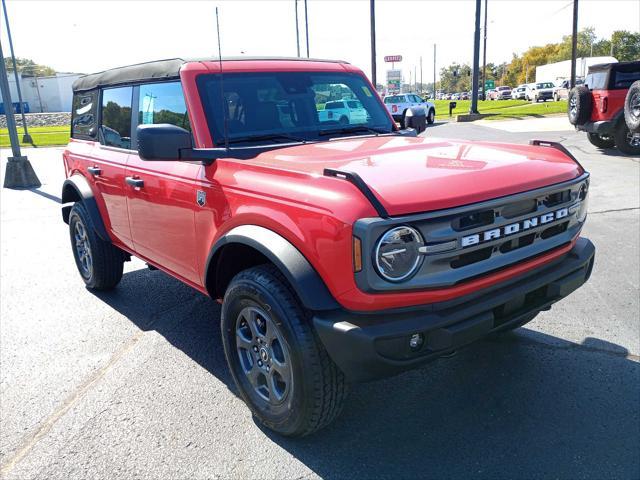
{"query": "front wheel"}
{"type": "Point", "coordinates": [627, 141]}
{"type": "Point", "coordinates": [601, 141]}
{"type": "Point", "coordinates": [431, 117]}
{"type": "Point", "coordinates": [99, 262]}
{"type": "Point", "coordinates": [279, 365]}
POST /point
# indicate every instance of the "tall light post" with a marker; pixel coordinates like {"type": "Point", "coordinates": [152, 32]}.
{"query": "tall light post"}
{"type": "Point", "coordinates": [372, 7]}
{"type": "Point", "coordinates": [434, 71]}
{"type": "Point", "coordinates": [484, 53]}
{"type": "Point", "coordinates": [297, 29]}
{"type": "Point", "coordinates": [476, 61]}
{"type": "Point", "coordinates": [574, 44]}
{"type": "Point", "coordinates": [26, 138]}
{"type": "Point", "coordinates": [306, 25]}
{"type": "Point", "coordinates": [19, 172]}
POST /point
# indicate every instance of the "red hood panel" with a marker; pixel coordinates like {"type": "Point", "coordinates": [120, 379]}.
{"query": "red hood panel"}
{"type": "Point", "coordinates": [411, 175]}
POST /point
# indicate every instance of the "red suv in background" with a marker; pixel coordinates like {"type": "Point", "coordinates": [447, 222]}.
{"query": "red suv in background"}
{"type": "Point", "coordinates": [597, 107]}
{"type": "Point", "coordinates": [340, 252]}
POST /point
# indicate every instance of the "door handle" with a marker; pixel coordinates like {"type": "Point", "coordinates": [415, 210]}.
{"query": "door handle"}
{"type": "Point", "coordinates": [134, 182]}
{"type": "Point", "coordinates": [95, 171]}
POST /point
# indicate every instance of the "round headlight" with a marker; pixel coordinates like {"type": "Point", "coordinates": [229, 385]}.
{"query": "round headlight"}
{"type": "Point", "coordinates": [397, 256]}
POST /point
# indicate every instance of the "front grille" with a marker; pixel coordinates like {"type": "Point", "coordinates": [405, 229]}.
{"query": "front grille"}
{"type": "Point", "coordinates": [477, 239]}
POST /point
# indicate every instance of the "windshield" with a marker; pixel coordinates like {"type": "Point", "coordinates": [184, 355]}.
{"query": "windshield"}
{"type": "Point", "coordinates": [544, 85]}
{"type": "Point", "coordinates": [281, 106]}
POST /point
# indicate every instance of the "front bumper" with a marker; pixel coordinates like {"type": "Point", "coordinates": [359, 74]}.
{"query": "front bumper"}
{"type": "Point", "coordinates": [371, 346]}
{"type": "Point", "coordinates": [604, 127]}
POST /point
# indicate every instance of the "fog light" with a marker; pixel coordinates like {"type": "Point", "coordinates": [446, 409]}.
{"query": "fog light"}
{"type": "Point", "coordinates": [416, 341]}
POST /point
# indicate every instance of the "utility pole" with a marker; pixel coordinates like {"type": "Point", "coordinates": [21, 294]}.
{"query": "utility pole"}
{"type": "Point", "coordinates": [19, 172]}
{"type": "Point", "coordinates": [415, 78]}
{"type": "Point", "coordinates": [297, 29]}
{"type": "Point", "coordinates": [26, 138]}
{"type": "Point", "coordinates": [574, 44]}
{"type": "Point", "coordinates": [476, 61]}
{"type": "Point", "coordinates": [484, 53]}
{"type": "Point", "coordinates": [306, 25]}
{"type": "Point", "coordinates": [372, 6]}
{"type": "Point", "coordinates": [421, 84]}
{"type": "Point", "coordinates": [434, 71]}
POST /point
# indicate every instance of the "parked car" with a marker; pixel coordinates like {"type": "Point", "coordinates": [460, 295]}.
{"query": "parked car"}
{"type": "Point", "coordinates": [519, 93]}
{"type": "Point", "coordinates": [540, 91]}
{"type": "Point", "coordinates": [597, 107]}
{"type": "Point", "coordinates": [561, 92]}
{"type": "Point", "coordinates": [491, 94]}
{"type": "Point", "coordinates": [397, 106]}
{"type": "Point", "coordinates": [344, 112]}
{"type": "Point", "coordinates": [334, 259]}
{"type": "Point", "coordinates": [502, 93]}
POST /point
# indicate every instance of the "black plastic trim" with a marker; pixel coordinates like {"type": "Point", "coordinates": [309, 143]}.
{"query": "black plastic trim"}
{"type": "Point", "coordinates": [83, 191]}
{"type": "Point", "coordinates": [361, 185]}
{"type": "Point", "coordinates": [557, 146]}
{"type": "Point", "coordinates": [306, 282]}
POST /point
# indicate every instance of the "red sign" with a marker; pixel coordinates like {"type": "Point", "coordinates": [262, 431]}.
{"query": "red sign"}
{"type": "Point", "coordinates": [393, 58]}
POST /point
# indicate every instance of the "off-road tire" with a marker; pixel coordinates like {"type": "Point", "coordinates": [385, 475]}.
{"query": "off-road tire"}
{"type": "Point", "coordinates": [318, 387]}
{"type": "Point", "coordinates": [601, 141]}
{"type": "Point", "coordinates": [403, 120]}
{"type": "Point", "coordinates": [343, 120]}
{"type": "Point", "coordinates": [107, 260]}
{"type": "Point", "coordinates": [579, 105]}
{"type": "Point", "coordinates": [622, 138]}
{"type": "Point", "coordinates": [632, 107]}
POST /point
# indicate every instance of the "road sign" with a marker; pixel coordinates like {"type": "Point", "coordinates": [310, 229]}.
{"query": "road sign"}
{"type": "Point", "coordinates": [393, 58]}
{"type": "Point", "coordinates": [489, 85]}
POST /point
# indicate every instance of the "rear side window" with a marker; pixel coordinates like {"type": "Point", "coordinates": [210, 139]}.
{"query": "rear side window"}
{"type": "Point", "coordinates": [625, 79]}
{"type": "Point", "coordinates": [84, 114]}
{"type": "Point", "coordinates": [163, 103]}
{"type": "Point", "coordinates": [394, 99]}
{"type": "Point", "coordinates": [597, 81]}
{"type": "Point", "coordinates": [115, 128]}
{"type": "Point", "coordinates": [333, 105]}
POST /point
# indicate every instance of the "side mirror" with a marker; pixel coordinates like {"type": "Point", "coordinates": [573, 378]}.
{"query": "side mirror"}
{"type": "Point", "coordinates": [162, 141]}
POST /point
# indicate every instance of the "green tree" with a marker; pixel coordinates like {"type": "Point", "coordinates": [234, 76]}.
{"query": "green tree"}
{"type": "Point", "coordinates": [28, 67]}
{"type": "Point", "coordinates": [626, 45]}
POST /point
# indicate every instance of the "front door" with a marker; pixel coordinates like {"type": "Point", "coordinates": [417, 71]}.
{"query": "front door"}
{"type": "Point", "coordinates": [162, 196]}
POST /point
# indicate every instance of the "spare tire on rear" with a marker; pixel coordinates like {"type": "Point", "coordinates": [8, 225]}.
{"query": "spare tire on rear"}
{"type": "Point", "coordinates": [579, 105]}
{"type": "Point", "coordinates": [632, 107]}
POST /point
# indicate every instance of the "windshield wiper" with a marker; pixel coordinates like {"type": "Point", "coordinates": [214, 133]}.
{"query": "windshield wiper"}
{"type": "Point", "coordinates": [268, 136]}
{"type": "Point", "coordinates": [353, 129]}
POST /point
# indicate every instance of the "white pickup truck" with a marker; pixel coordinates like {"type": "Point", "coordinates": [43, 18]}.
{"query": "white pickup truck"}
{"type": "Point", "coordinates": [345, 112]}
{"type": "Point", "coordinates": [398, 105]}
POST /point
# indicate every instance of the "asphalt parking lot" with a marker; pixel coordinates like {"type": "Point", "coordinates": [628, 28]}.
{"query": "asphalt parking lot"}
{"type": "Point", "coordinates": [133, 383]}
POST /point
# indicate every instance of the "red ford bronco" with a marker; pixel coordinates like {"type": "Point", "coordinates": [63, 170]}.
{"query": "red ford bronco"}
{"type": "Point", "coordinates": [597, 107]}
{"type": "Point", "coordinates": [340, 252]}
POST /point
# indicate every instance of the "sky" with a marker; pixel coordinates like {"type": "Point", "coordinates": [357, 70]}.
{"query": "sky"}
{"type": "Point", "coordinates": [91, 35]}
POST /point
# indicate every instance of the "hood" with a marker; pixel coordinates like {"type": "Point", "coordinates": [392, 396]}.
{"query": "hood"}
{"type": "Point", "coordinates": [410, 175]}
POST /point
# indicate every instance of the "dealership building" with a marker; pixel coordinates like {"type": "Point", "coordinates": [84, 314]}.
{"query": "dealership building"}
{"type": "Point", "coordinates": [44, 94]}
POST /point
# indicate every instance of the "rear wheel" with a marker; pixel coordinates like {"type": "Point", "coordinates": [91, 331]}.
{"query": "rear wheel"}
{"type": "Point", "coordinates": [431, 117]}
{"type": "Point", "coordinates": [627, 141]}
{"type": "Point", "coordinates": [279, 365]}
{"type": "Point", "coordinates": [100, 263]}
{"type": "Point", "coordinates": [601, 141]}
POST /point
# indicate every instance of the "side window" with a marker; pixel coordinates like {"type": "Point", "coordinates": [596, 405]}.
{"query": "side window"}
{"type": "Point", "coordinates": [116, 117]}
{"type": "Point", "coordinates": [163, 103]}
{"type": "Point", "coordinates": [84, 112]}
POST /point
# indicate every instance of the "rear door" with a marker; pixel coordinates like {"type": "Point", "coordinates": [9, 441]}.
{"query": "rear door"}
{"type": "Point", "coordinates": [162, 196]}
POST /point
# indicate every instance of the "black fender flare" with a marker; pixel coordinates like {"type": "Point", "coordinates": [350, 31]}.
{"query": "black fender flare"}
{"type": "Point", "coordinates": [303, 278]}
{"type": "Point", "coordinates": [76, 188]}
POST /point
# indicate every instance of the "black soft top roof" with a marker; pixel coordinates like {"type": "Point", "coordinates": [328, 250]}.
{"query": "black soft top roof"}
{"type": "Point", "coordinates": [617, 66]}
{"type": "Point", "coordinates": [160, 70]}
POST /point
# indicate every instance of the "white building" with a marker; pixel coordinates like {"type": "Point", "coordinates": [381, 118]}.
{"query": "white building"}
{"type": "Point", "coordinates": [44, 94]}
{"type": "Point", "coordinates": [559, 71]}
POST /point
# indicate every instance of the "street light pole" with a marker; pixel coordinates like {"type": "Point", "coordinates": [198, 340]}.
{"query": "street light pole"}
{"type": "Point", "coordinates": [26, 138]}
{"type": "Point", "coordinates": [306, 25]}
{"type": "Point", "coordinates": [476, 61]}
{"type": "Point", "coordinates": [484, 53]}
{"type": "Point", "coordinates": [574, 43]}
{"type": "Point", "coordinates": [372, 7]}
{"type": "Point", "coordinates": [19, 172]}
{"type": "Point", "coordinates": [297, 29]}
{"type": "Point", "coordinates": [434, 71]}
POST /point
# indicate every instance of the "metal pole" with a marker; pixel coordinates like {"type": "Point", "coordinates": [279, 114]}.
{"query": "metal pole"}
{"type": "Point", "coordinates": [306, 25]}
{"type": "Point", "coordinates": [484, 53]}
{"type": "Point", "coordinates": [297, 30]}
{"type": "Point", "coordinates": [415, 78]}
{"type": "Point", "coordinates": [372, 6]}
{"type": "Point", "coordinates": [19, 173]}
{"type": "Point", "coordinates": [434, 71]}
{"type": "Point", "coordinates": [26, 138]}
{"type": "Point", "coordinates": [574, 44]}
{"type": "Point", "coordinates": [476, 60]}
{"type": "Point", "coordinates": [421, 84]}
